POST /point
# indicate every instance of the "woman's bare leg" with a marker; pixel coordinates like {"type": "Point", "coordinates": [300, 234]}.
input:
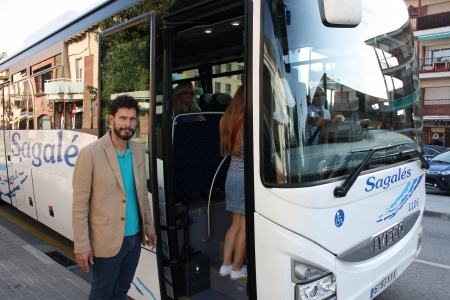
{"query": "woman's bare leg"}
{"type": "Point", "coordinates": [230, 239]}
{"type": "Point", "coordinates": [240, 245]}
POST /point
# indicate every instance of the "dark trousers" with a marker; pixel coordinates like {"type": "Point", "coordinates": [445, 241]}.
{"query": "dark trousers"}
{"type": "Point", "coordinates": [112, 276]}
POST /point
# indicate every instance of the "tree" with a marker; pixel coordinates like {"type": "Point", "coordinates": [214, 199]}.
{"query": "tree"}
{"type": "Point", "coordinates": [2, 55]}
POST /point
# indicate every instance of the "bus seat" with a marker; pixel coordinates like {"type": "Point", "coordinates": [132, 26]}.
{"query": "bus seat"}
{"type": "Point", "coordinates": [196, 150]}
{"type": "Point", "coordinates": [205, 102]}
{"type": "Point", "coordinates": [220, 101]}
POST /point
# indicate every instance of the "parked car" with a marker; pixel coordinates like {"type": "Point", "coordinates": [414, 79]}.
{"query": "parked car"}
{"type": "Point", "coordinates": [438, 175]}
{"type": "Point", "coordinates": [433, 150]}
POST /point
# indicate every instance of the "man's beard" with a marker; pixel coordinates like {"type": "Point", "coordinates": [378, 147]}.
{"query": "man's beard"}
{"type": "Point", "coordinates": [124, 137]}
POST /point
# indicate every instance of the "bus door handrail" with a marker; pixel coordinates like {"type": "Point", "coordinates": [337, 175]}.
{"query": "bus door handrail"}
{"type": "Point", "coordinates": [209, 198]}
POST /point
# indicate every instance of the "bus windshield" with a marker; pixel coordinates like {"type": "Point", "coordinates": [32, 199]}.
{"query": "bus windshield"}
{"type": "Point", "coordinates": [329, 95]}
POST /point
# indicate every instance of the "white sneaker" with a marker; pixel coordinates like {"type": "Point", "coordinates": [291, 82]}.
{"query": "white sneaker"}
{"type": "Point", "coordinates": [225, 270]}
{"type": "Point", "coordinates": [242, 273]}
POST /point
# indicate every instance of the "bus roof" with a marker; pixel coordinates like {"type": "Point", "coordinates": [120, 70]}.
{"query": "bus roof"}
{"type": "Point", "coordinates": [85, 19]}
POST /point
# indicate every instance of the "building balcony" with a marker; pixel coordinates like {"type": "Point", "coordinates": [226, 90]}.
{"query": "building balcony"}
{"type": "Point", "coordinates": [21, 101]}
{"type": "Point", "coordinates": [434, 67]}
{"type": "Point", "coordinates": [63, 89]}
{"type": "Point", "coordinates": [431, 21]}
{"type": "Point", "coordinates": [438, 107]}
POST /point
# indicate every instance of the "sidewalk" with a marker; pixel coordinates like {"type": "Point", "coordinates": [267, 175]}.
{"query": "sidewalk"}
{"type": "Point", "coordinates": [438, 205]}
{"type": "Point", "coordinates": [27, 273]}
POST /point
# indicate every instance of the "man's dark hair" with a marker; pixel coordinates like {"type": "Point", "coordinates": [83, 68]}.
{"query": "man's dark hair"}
{"type": "Point", "coordinates": [123, 101]}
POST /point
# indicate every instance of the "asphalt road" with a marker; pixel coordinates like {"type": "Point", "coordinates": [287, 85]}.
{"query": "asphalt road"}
{"type": "Point", "coordinates": [428, 277]}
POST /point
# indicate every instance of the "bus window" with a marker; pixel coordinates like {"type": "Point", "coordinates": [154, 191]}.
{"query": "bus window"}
{"type": "Point", "coordinates": [21, 105]}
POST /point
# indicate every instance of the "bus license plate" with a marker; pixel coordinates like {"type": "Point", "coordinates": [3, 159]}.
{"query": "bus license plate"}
{"type": "Point", "coordinates": [384, 283]}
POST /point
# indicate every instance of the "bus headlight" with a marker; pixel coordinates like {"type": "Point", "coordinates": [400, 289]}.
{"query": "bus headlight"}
{"type": "Point", "coordinates": [321, 289]}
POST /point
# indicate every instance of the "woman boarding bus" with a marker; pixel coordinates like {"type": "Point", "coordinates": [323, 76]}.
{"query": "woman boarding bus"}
{"type": "Point", "coordinates": [333, 198]}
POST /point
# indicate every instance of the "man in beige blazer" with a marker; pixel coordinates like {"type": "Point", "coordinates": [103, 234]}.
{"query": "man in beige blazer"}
{"type": "Point", "coordinates": [111, 214]}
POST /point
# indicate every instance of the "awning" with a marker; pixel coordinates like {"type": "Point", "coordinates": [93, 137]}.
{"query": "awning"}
{"type": "Point", "coordinates": [433, 36]}
{"type": "Point", "coordinates": [434, 118]}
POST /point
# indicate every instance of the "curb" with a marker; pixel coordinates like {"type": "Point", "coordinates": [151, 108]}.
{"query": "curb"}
{"type": "Point", "coordinates": [436, 214]}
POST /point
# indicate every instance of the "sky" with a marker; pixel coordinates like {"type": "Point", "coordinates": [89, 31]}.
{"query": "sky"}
{"type": "Point", "coordinates": [21, 18]}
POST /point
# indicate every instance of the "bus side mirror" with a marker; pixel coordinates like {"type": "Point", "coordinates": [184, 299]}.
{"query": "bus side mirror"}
{"type": "Point", "coordinates": [340, 13]}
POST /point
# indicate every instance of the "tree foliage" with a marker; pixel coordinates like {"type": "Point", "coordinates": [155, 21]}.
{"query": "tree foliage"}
{"type": "Point", "coordinates": [3, 55]}
{"type": "Point", "coordinates": [125, 54]}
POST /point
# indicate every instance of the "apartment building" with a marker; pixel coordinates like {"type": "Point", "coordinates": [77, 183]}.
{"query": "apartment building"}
{"type": "Point", "coordinates": [431, 23]}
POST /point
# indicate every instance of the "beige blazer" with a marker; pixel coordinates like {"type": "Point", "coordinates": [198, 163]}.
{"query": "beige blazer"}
{"type": "Point", "coordinates": [99, 203]}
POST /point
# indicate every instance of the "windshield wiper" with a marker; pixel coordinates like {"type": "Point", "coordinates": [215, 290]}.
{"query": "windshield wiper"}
{"type": "Point", "coordinates": [341, 191]}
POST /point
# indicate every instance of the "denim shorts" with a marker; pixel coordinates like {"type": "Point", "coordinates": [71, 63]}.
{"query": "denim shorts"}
{"type": "Point", "coordinates": [235, 191]}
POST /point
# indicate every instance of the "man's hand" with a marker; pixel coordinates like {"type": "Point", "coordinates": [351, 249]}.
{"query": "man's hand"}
{"type": "Point", "coordinates": [338, 118]}
{"type": "Point", "coordinates": [151, 240]}
{"type": "Point", "coordinates": [84, 259]}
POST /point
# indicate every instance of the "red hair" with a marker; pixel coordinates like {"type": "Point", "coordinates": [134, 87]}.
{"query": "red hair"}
{"type": "Point", "coordinates": [229, 122]}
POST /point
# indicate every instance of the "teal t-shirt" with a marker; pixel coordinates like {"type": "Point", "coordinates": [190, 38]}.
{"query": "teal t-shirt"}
{"type": "Point", "coordinates": [132, 215]}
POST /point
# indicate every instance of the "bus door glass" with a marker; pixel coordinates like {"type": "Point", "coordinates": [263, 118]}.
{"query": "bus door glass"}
{"type": "Point", "coordinates": [4, 181]}
{"type": "Point", "coordinates": [126, 68]}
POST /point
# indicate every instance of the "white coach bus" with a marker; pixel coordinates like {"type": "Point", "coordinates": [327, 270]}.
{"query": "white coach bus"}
{"type": "Point", "coordinates": [332, 212]}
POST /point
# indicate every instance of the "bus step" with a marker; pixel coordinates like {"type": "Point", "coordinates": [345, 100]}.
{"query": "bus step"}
{"type": "Point", "coordinates": [236, 289]}
{"type": "Point", "coordinates": [208, 295]}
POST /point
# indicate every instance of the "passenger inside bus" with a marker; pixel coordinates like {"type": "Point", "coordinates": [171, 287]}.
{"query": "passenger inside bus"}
{"type": "Point", "coordinates": [232, 143]}
{"type": "Point", "coordinates": [183, 102]}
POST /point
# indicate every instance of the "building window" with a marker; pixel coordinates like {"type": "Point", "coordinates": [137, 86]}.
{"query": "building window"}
{"type": "Point", "coordinates": [438, 55]}
{"type": "Point", "coordinates": [240, 76]}
{"type": "Point", "coordinates": [228, 68]}
{"type": "Point", "coordinates": [19, 75]}
{"type": "Point", "coordinates": [40, 81]}
{"type": "Point", "coordinates": [228, 88]}
{"type": "Point", "coordinates": [45, 122]}
{"type": "Point", "coordinates": [217, 69]}
{"type": "Point", "coordinates": [217, 87]}
{"type": "Point", "coordinates": [79, 69]}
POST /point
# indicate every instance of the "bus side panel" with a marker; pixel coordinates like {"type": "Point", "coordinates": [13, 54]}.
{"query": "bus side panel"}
{"type": "Point", "coordinates": [23, 186]}
{"type": "Point", "coordinates": [54, 201]}
{"type": "Point", "coordinates": [145, 284]}
{"type": "Point", "coordinates": [13, 186]}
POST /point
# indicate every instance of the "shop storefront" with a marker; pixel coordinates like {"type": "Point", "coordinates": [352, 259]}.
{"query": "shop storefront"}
{"type": "Point", "coordinates": [437, 131]}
